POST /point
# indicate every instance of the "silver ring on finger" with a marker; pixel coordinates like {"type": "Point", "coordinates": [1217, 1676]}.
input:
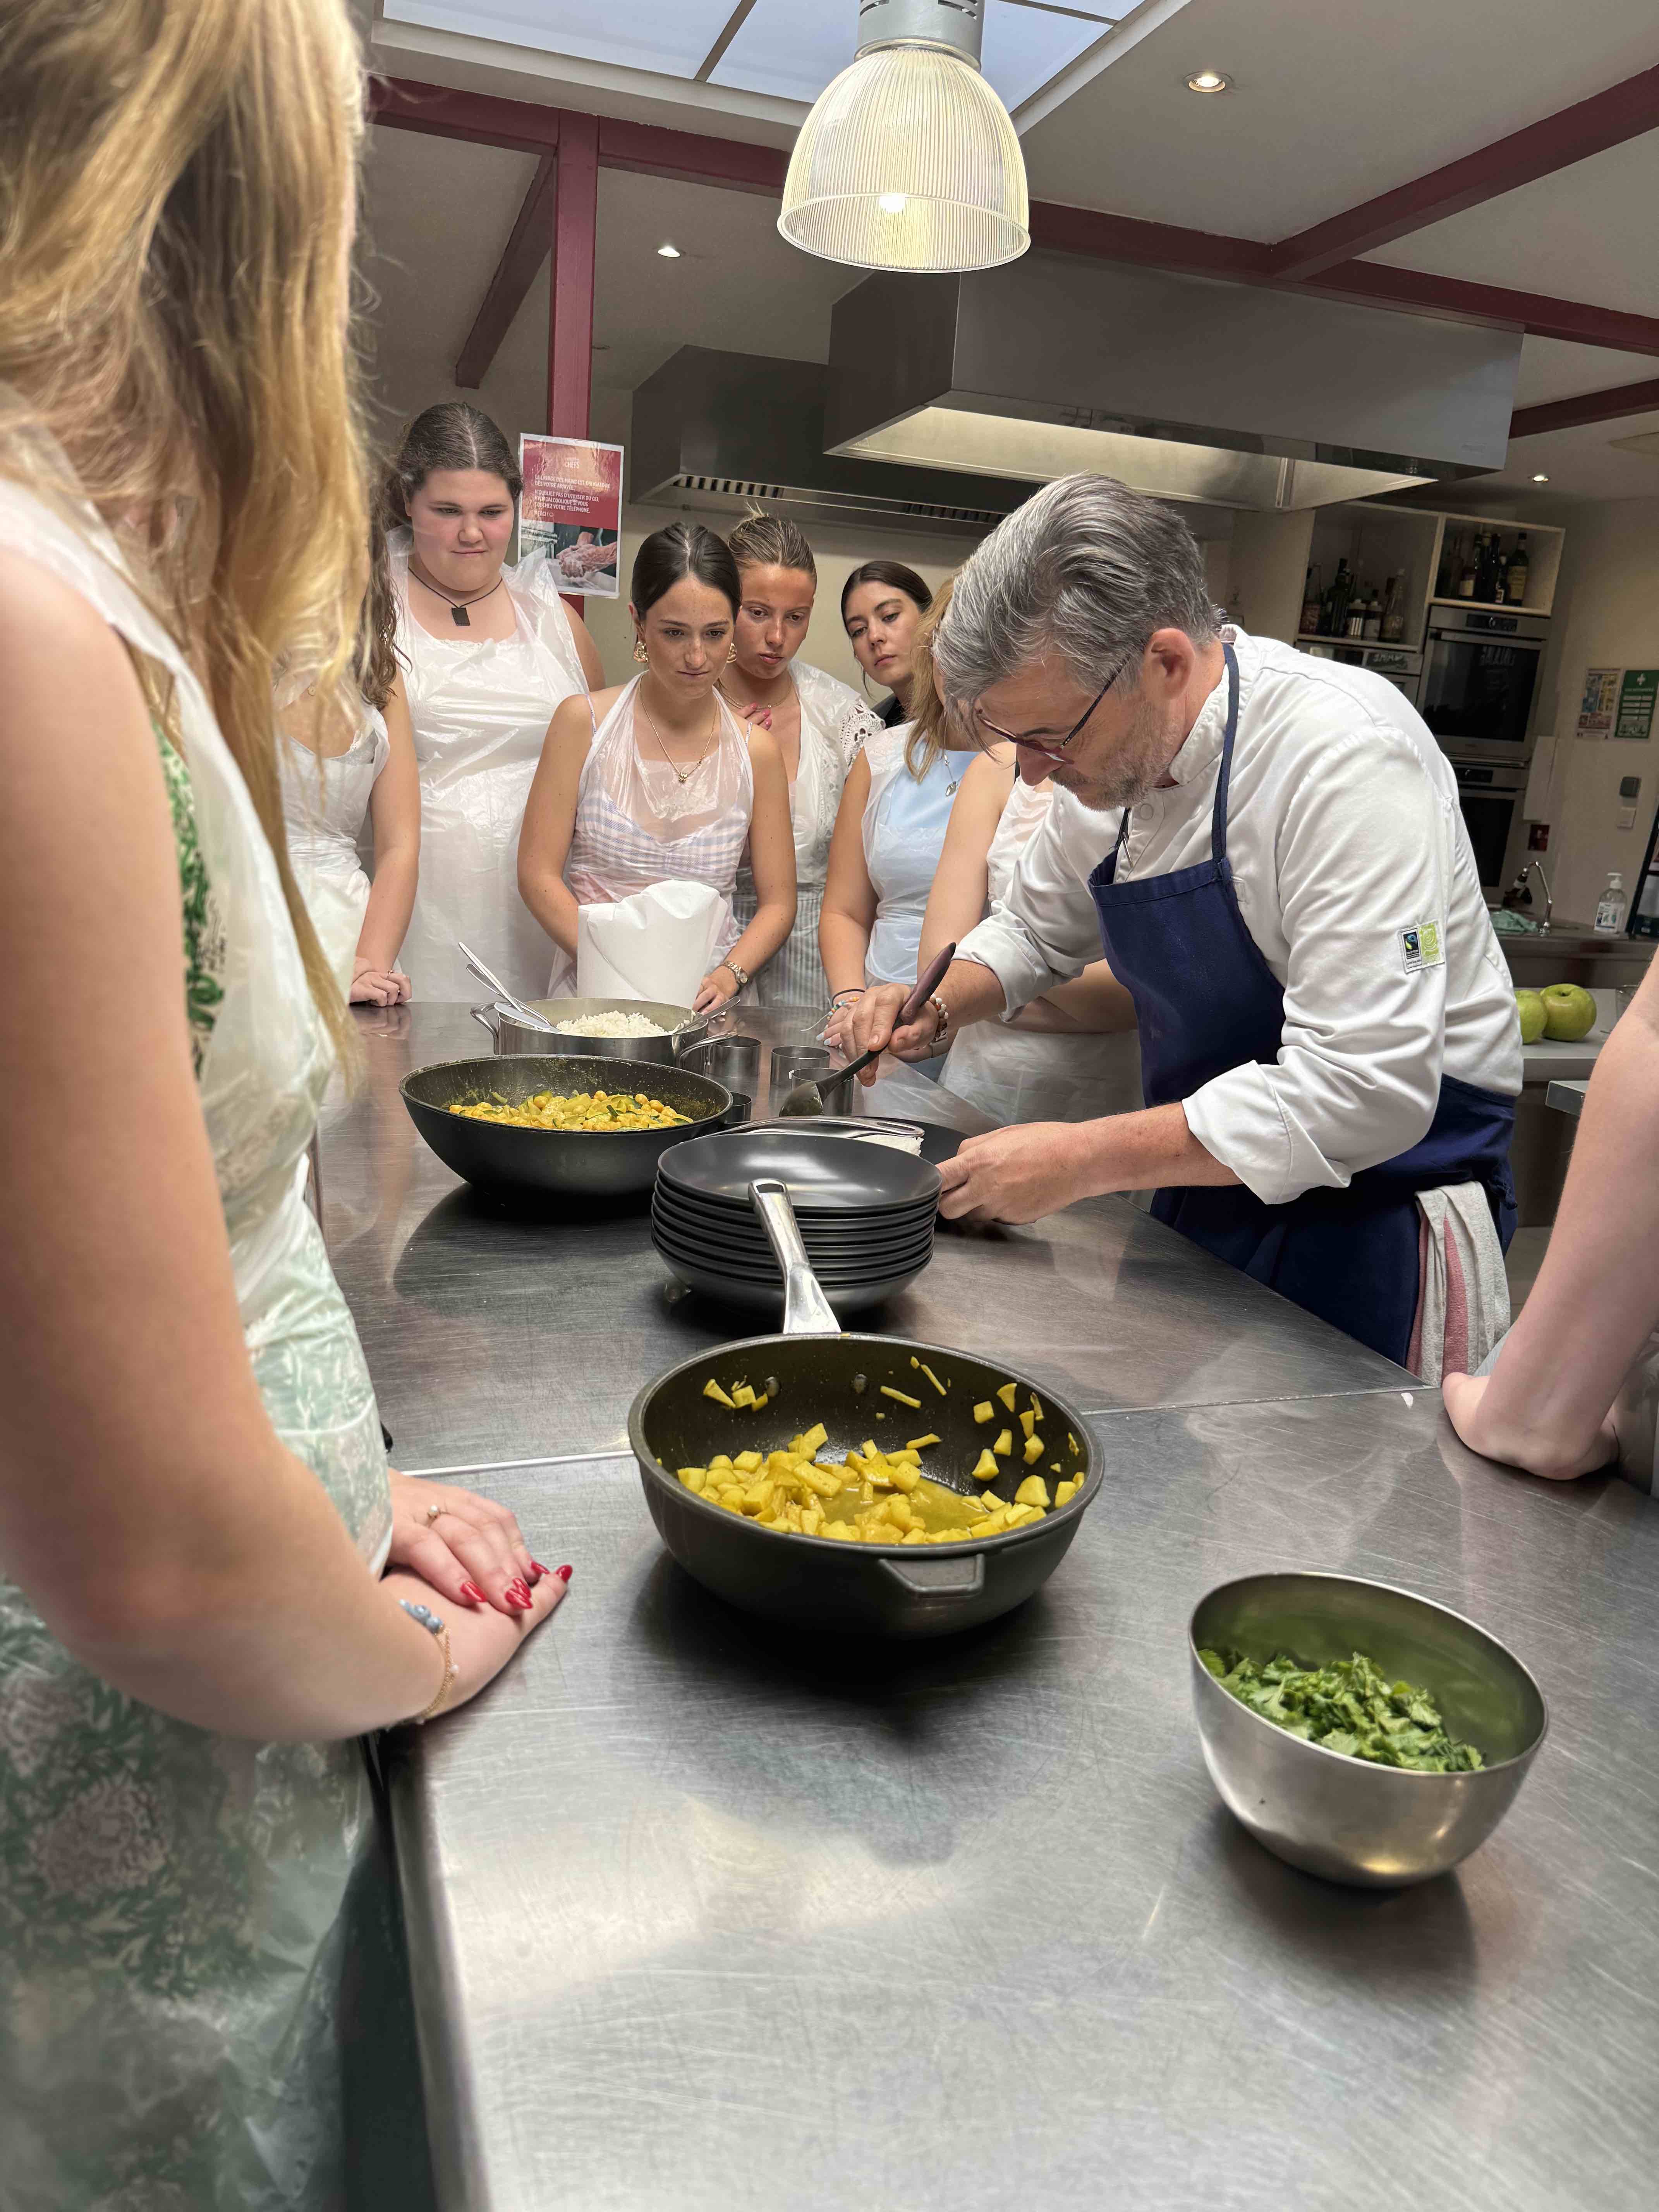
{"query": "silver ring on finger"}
{"type": "Point", "coordinates": [432, 1513]}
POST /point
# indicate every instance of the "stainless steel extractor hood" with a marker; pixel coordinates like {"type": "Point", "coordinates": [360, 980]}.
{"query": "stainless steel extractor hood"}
{"type": "Point", "coordinates": [726, 430]}
{"type": "Point", "coordinates": [1185, 388]}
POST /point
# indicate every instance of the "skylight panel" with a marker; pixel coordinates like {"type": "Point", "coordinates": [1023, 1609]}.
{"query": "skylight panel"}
{"type": "Point", "coordinates": [669, 36]}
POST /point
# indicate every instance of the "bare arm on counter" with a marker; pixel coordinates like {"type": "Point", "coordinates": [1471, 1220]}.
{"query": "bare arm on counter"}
{"type": "Point", "coordinates": [1544, 1407]}
{"type": "Point", "coordinates": [849, 914]}
{"type": "Point", "coordinates": [772, 863]}
{"type": "Point", "coordinates": [394, 809]}
{"type": "Point", "coordinates": [550, 815]}
{"type": "Point", "coordinates": [168, 1538]}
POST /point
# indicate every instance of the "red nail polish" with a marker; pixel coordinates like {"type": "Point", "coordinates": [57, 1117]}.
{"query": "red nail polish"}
{"type": "Point", "coordinates": [563, 1573]}
{"type": "Point", "coordinates": [518, 1597]}
{"type": "Point", "coordinates": [537, 1568]}
{"type": "Point", "coordinates": [473, 1595]}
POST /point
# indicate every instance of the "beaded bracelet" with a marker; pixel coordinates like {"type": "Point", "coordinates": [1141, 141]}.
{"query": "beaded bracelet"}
{"type": "Point", "coordinates": [434, 1626]}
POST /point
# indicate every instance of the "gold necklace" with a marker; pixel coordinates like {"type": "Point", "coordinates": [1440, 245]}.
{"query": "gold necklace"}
{"type": "Point", "coordinates": [682, 776]}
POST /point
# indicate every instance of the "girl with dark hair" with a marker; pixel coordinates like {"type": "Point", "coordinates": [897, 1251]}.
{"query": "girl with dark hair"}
{"type": "Point", "coordinates": [343, 762]}
{"type": "Point", "coordinates": [881, 605]}
{"type": "Point", "coordinates": [488, 652]}
{"type": "Point", "coordinates": [657, 781]}
{"type": "Point", "coordinates": [818, 723]}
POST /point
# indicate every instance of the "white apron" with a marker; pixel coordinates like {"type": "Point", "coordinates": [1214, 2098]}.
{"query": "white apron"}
{"type": "Point", "coordinates": [637, 824]}
{"type": "Point", "coordinates": [1015, 1074]}
{"type": "Point", "coordinates": [479, 708]}
{"type": "Point", "coordinates": [834, 723]}
{"type": "Point", "coordinates": [324, 807]}
{"type": "Point", "coordinates": [170, 1960]}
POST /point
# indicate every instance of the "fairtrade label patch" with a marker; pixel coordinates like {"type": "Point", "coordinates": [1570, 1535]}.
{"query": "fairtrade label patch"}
{"type": "Point", "coordinates": [1421, 947]}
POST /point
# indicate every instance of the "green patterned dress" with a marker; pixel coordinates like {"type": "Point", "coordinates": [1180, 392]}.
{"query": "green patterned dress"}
{"type": "Point", "coordinates": [171, 1927]}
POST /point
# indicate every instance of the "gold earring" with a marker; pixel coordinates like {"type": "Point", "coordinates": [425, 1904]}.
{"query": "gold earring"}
{"type": "Point", "coordinates": [640, 652]}
{"type": "Point", "coordinates": [731, 655]}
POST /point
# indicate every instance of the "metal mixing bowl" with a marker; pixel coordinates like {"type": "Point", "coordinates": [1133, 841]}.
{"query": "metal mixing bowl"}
{"type": "Point", "coordinates": [1347, 1818]}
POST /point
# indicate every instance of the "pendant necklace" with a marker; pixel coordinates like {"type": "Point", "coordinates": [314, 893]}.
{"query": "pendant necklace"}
{"type": "Point", "coordinates": [681, 777]}
{"type": "Point", "coordinates": [457, 608]}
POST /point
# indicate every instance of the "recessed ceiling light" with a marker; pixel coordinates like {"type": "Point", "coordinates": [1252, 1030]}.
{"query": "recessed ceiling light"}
{"type": "Point", "coordinates": [1541, 478]}
{"type": "Point", "coordinates": [669, 252]}
{"type": "Point", "coordinates": [1209, 81]}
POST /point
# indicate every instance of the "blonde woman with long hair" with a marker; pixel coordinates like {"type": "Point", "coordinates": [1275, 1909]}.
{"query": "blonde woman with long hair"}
{"type": "Point", "coordinates": [890, 832]}
{"type": "Point", "coordinates": [195, 1507]}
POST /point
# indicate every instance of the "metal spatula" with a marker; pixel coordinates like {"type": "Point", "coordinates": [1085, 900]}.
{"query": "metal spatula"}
{"type": "Point", "coordinates": [807, 1099]}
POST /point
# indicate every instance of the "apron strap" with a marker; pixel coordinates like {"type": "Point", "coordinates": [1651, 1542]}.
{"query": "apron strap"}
{"type": "Point", "coordinates": [1223, 776]}
{"type": "Point", "coordinates": [1219, 817]}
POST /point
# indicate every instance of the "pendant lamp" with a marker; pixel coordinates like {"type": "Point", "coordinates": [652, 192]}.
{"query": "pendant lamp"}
{"type": "Point", "coordinates": [909, 159]}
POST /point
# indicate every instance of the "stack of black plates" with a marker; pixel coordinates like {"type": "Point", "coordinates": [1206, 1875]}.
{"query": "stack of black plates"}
{"type": "Point", "coordinates": [865, 1214]}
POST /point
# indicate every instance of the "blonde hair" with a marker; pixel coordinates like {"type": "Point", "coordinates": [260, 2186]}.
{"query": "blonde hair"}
{"type": "Point", "coordinates": [931, 729]}
{"type": "Point", "coordinates": [771, 541]}
{"type": "Point", "coordinates": [177, 179]}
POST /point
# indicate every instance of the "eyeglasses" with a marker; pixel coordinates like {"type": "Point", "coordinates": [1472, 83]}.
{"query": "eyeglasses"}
{"type": "Point", "coordinates": [1051, 745]}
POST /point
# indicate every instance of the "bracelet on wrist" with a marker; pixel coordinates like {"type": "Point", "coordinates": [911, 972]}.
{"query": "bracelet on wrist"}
{"type": "Point", "coordinates": [732, 969]}
{"type": "Point", "coordinates": [846, 998]}
{"type": "Point", "coordinates": [942, 1034]}
{"type": "Point", "coordinates": [434, 1626]}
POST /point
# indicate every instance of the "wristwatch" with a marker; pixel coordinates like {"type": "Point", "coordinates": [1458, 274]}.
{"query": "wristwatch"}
{"type": "Point", "coordinates": [942, 1034]}
{"type": "Point", "coordinates": [742, 974]}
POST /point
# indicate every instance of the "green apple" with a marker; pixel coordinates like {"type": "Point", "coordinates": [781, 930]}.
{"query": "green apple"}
{"type": "Point", "coordinates": [1569, 1012]}
{"type": "Point", "coordinates": [1531, 1007]}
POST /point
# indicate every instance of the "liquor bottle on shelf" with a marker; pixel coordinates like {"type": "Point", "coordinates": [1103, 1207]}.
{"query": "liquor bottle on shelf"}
{"type": "Point", "coordinates": [1467, 575]}
{"type": "Point", "coordinates": [1519, 570]}
{"type": "Point", "coordinates": [1486, 575]}
{"type": "Point", "coordinates": [1394, 613]}
{"type": "Point", "coordinates": [1373, 617]}
{"type": "Point", "coordinates": [1354, 627]}
{"type": "Point", "coordinates": [1333, 622]}
{"type": "Point", "coordinates": [1309, 625]}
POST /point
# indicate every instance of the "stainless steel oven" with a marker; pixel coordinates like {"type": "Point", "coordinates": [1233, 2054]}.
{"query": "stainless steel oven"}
{"type": "Point", "coordinates": [1479, 676]}
{"type": "Point", "coordinates": [1491, 796]}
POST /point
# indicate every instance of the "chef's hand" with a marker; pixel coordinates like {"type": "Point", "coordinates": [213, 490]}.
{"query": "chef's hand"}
{"type": "Point", "coordinates": [1014, 1175]}
{"type": "Point", "coordinates": [472, 1552]}
{"type": "Point", "coordinates": [838, 1029]}
{"type": "Point", "coordinates": [481, 1642]}
{"type": "Point", "coordinates": [718, 988]}
{"type": "Point", "coordinates": [1528, 1447]}
{"type": "Point", "coordinates": [378, 986]}
{"type": "Point", "coordinates": [872, 1030]}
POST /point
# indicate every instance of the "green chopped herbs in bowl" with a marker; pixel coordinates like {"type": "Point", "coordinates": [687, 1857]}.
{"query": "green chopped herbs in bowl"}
{"type": "Point", "coordinates": [1351, 1707]}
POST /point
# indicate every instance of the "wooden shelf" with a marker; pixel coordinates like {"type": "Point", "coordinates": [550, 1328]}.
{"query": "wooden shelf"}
{"type": "Point", "coordinates": [1494, 606]}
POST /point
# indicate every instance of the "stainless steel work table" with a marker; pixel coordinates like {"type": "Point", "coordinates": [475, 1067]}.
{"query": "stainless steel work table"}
{"type": "Point", "coordinates": [703, 1916]}
{"type": "Point", "coordinates": [496, 1337]}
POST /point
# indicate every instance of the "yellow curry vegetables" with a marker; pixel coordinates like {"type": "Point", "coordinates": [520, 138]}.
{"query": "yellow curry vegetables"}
{"type": "Point", "coordinates": [584, 1110]}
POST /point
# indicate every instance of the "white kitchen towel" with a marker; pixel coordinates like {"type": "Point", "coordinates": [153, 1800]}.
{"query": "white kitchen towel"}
{"type": "Point", "coordinates": [1462, 1288]}
{"type": "Point", "coordinates": [655, 944]}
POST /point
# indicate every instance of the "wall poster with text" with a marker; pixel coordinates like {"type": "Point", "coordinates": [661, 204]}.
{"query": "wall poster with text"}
{"type": "Point", "coordinates": [1600, 699]}
{"type": "Point", "coordinates": [571, 508]}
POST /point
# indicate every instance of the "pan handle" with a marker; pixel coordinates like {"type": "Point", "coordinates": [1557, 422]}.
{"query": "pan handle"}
{"type": "Point", "coordinates": [484, 1017]}
{"type": "Point", "coordinates": [806, 1311]}
{"type": "Point", "coordinates": [938, 1577]}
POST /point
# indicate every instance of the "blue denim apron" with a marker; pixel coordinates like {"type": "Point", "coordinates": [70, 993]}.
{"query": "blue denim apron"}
{"type": "Point", "coordinates": [1208, 1001]}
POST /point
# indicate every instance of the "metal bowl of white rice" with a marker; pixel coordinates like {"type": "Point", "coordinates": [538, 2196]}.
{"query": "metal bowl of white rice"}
{"type": "Point", "coordinates": [600, 1029]}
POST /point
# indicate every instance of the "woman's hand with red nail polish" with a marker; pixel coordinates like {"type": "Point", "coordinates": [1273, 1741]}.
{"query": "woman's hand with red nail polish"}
{"type": "Point", "coordinates": [482, 1639]}
{"type": "Point", "coordinates": [470, 1544]}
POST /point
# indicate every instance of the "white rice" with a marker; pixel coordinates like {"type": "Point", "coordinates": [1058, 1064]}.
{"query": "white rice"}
{"type": "Point", "coordinates": [613, 1025]}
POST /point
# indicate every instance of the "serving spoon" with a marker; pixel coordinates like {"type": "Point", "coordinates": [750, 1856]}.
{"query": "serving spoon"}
{"type": "Point", "coordinates": [806, 1099]}
{"type": "Point", "coordinates": [528, 1015]}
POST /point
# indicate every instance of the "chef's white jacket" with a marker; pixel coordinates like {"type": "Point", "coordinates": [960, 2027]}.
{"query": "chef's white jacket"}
{"type": "Point", "coordinates": [1354, 874]}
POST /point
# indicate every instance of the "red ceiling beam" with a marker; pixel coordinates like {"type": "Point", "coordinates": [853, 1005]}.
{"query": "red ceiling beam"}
{"type": "Point", "coordinates": [570, 330]}
{"type": "Point", "coordinates": [479, 117]}
{"type": "Point", "coordinates": [515, 272]}
{"type": "Point", "coordinates": [1588, 407]}
{"type": "Point", "coordinates": [686, 155]}
{"type": "Point", "coordinates": [1590, 127]}
{"type": "Point", "coordinates": [690, 157]}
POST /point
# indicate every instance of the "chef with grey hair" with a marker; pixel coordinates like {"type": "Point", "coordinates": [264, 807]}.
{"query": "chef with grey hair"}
{"type": "Point", "coordinates": [1269, 849]}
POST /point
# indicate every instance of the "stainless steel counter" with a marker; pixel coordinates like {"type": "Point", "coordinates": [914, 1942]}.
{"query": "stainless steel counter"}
{"type": "Point", "coordinates": [705, 1919]}
{"type": "Point", "coordinates": [494, 1337]}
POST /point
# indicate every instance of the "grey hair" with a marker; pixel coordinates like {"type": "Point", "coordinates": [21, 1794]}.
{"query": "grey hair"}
{"type": "Point", "coordinates": [1088, 570]}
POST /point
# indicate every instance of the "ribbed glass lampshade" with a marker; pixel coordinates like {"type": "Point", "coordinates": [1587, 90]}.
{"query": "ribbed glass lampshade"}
{"type": "Point", "coordinates": [907, 160]}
